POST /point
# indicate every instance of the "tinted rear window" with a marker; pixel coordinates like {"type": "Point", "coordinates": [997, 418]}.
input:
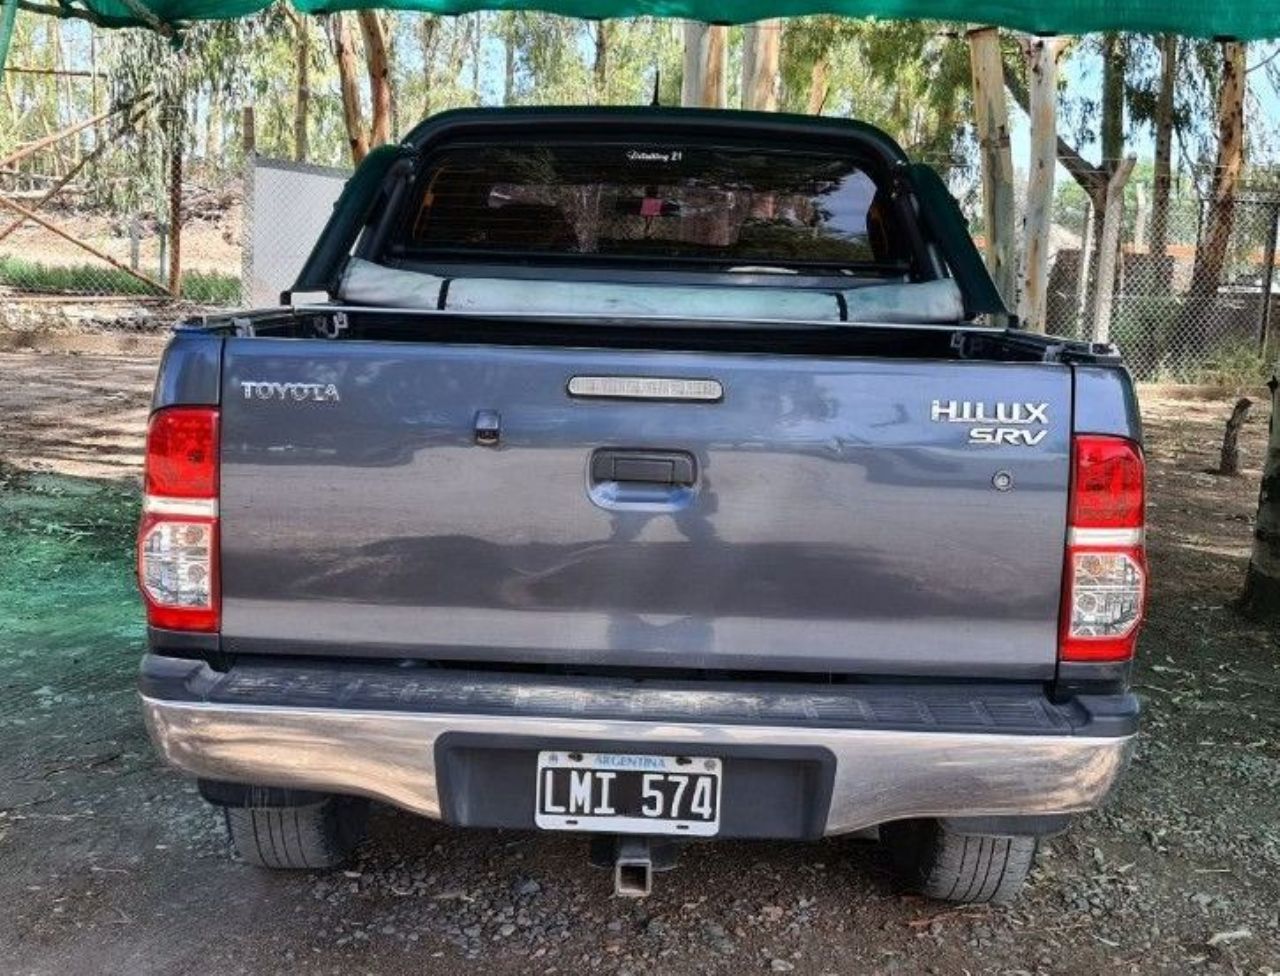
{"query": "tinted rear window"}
{"type": "Point", "coordinates": [697, 205]}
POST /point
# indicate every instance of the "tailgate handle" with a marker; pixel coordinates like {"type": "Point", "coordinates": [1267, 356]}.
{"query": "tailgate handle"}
{"type": "Point", "coordinates": [670, 468]}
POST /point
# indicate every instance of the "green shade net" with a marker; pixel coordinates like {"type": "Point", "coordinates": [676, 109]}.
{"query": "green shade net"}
{"type": "Point", "coordinates": [1240, 19]}
{"type": "Point", "coordinates": [167, 13]}
{"type": "Point", "coordinates": [8, 13]}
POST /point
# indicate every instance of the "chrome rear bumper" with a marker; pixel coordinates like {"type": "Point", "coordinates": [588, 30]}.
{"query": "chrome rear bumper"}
{"type": "Point", "coordinates": [880, 775]}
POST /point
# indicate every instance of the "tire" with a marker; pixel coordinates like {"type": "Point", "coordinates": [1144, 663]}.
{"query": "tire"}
{"type": "Point", "coordinates": [968, 868]}
{"type": "Point", "coordinates": [310, 837]}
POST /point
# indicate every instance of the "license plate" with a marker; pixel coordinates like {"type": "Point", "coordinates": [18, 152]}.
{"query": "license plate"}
{"type": "Point", "coordinates": [628, 794]}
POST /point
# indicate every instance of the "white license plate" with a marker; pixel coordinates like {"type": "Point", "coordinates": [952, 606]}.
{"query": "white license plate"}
{"type": "Point", "coordinates": [628, 794]}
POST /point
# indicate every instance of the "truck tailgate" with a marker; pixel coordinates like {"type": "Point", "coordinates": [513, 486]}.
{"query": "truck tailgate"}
{"type": "Point", "coordinates": [822, 515]}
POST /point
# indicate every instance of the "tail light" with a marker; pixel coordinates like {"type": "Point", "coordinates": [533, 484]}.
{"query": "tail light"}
{"type": "Point", "coordinates": [178, 537]}
{"type": "Point", "coordinates": [1105, 578]}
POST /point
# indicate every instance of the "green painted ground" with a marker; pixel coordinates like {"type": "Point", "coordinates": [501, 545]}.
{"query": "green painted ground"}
{"type": "Point", "coordinates": [66, 570]}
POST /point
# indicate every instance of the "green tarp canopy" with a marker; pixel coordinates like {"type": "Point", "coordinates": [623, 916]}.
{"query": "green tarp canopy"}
{"type": "Point", "coordinates": [1239, 19]}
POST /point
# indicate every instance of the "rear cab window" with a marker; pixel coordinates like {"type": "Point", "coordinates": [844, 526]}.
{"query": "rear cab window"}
{"type": "Point", "coordinates": [677, 207]}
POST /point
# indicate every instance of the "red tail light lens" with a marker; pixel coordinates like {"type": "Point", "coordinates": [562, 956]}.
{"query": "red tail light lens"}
{"type": "Point", "coordinates": [178, 537]}
{"type": "Point", "coordinates": [1105, 577]}
{"type": "Point", "coordinates": [1107, 483]}
{"type": "Point", "coordinates": [182, 453]}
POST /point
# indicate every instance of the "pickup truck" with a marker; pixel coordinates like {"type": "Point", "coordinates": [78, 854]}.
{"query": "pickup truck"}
{"type": "Point", "coordinates": [654, 475]}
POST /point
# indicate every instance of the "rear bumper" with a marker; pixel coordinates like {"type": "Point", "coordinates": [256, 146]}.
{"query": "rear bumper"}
{"type": "Point", "coordinates": [441, 744]}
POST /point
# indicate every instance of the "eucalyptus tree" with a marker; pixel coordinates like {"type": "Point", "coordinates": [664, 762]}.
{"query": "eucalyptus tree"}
{"type": "Point", "coordinates": [910, 78]}
{"type": "Point", "coordinates": [37, 101]}
{"type": "Point", "coordinates": [1228, 168]}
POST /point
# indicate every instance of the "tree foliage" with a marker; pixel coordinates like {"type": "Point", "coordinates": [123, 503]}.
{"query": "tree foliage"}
{"type": "Point", "coordinates": [911, 78]}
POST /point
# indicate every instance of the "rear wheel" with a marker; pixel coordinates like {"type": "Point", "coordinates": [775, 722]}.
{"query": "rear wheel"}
{"type": "Point", "coordinates": [311, 836]}
{"type": "Point", "coordinates": [971, 868]}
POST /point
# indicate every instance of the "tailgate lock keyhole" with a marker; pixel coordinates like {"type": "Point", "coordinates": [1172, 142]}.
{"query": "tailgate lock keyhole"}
{"type": "Point", "coordinates": [488, 429]}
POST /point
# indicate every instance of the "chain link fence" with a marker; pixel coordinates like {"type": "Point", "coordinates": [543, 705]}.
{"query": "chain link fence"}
{"type": "Point", "coordinates": [1172, 323]}
{"type": "Point", "coordinates": [73, 246]}
{"type": "Point", "coordinates": [243, 241]}
{"type": "Point", "coordinates": [286, 206]}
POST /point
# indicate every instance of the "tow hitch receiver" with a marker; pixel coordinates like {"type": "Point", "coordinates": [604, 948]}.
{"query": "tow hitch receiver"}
{"type": "Point", "coordinates": [634, 860]}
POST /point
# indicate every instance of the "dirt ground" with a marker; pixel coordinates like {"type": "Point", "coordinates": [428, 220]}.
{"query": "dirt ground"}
{"type": "Point", "coordinates": [109, 863]}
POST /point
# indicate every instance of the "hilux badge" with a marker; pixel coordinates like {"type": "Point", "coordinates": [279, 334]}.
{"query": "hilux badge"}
{"type": "Point", "coordinates": [995, 422]}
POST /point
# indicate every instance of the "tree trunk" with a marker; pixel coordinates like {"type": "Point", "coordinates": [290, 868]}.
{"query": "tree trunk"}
{"type": "Point", "coordinates": [761, 78]}
{"type": "Point", "coordinates": [302, 82]}
{"type": "Point", "coordinates": [379, 68]}
{"type": "Point", "coordinates": [1109, 251]}
{"type": "Point", "coordinates": [428, 38]}
{"type": "Point", "coordinates": [1163, 178]}
{"type": "Point", "coordinates": [1042, 62]}
{"type": "Point", "coordinates": [991, 114]}
{"type": "Point", "coordinates": [52, 120]}
{"type": "Point", "coordinates": [600, 66]}
{"type": "Point", "coordinates": [1113, 68]}
{"type": "Point", "coordinates": [1261, 598]}
{"type": "Point", "coordinates": [509, 66]}
{"type": "Point", "coordinates": [1141, 218]}
{"type": "Point", "coordinates": [476, 38]}
{"type": "Point", "coordinates": [1211, 254]}
{"type": "Point", "coordinates": [1092, 179]}
{"type": "Point", "coordinates": [704, 65]}
{"type": "Point", "coordinates": [348, 82]}
{"type": "Point", "coordinates": [213, 131]}
{"type": "Point", "coordinates": [819, 85]}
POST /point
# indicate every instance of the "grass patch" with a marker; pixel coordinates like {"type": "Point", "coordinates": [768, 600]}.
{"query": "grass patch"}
{"type": "Point", "coordinates": [1240, 364]}
{"type": "Point", "coordinates": [203, 287]}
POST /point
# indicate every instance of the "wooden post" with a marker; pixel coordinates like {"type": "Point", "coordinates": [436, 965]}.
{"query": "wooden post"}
{"type": "Point", "coordinates": [1141, 218]}
{"type": "Point", "coordinates": [761, 49]}
{"type": "Point", "coordinates": [704, 65]}
{"type": "Point", "coordinates": [991, 114]}
{"type": "Point", "coordinates": [176, 118]}
{"type": "Point", "coordinates": [1042, 63]}
{"type": "Point", "coordinates": [1086, 262]}
{"type": "Point", "coordinates": [1109, 251]}
{"type": "Point", "coordinates": [249, 135]}
{"type": "Point", "coordinates": [1229, 460]}
{"type": "Point", "coordinates": [1268, 277]}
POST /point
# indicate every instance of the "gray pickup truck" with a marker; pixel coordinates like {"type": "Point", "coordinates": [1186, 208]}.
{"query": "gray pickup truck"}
{"type": "Point", "coordinates": [652, 475]}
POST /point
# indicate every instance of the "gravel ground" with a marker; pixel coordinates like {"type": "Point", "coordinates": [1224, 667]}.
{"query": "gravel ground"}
{"type": "Point", "coordinates": [111, 864]}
